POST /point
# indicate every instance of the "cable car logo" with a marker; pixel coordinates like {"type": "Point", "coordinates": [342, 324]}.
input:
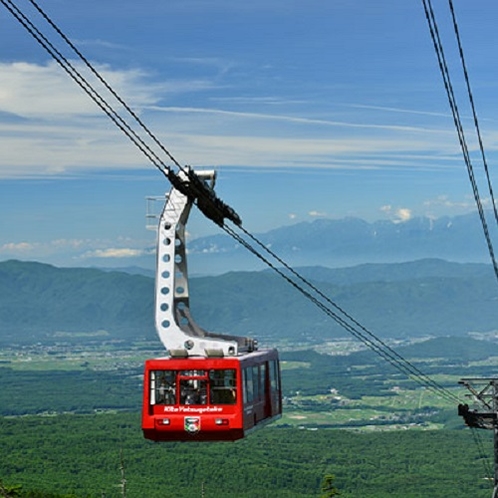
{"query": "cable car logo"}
{"type": "Point", "coordinates": [192, 424]}
{"type": "Point", "coordinates": [193, 409]}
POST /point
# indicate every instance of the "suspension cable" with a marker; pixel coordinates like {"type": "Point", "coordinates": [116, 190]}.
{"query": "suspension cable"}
{"type": "Point", "coordinates": [438, 47]}
{"type": "Point", "coordinates": [474, 112]}
{"type": "Point", "coordinates": [483, 455]}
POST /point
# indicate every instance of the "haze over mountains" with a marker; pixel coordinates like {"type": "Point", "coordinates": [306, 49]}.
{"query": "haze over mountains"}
{"type": "Point", "coordinates": [350, 241]}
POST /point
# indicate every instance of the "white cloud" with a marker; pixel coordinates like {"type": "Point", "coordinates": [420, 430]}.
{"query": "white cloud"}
{"type": "Point", "coordinates": [317, 214]}
{"type": "Point", "coordinates": [75, 249]}
{"type": "Point", "coordinates": [403, 214]}
{"type": "Point", "coordinates": [446, 202]}
{"type": "Point", "coordinates": [19, 247]}
{"type": "Point", "coordinates": [24, 248]}
{"type": "Point", "coordinates": [46, 91]}
{"type": "Point", "coordinates": [31, 149]}
{"type": "Point", "coordinates": [50, 126]}
{"type": "Point", "coordinates": [397, 215]}
{"type": "Point", "coordinates": [114, 253]}
{"type": "Point", "coordinates": [289, 119]}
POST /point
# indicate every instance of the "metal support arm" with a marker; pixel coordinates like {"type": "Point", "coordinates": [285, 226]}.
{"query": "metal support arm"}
{"type": "Point", "coordinates": [176, 328]}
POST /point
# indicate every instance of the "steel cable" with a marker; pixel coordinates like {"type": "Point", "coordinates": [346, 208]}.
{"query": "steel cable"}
{"type": "Point", "coordinates": [438, 48]}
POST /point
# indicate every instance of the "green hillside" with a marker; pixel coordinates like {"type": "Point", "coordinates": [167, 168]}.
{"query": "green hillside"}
{"type": "Point", "coordinates": [39, 302]}
{"type": "Point", "coordinates": [265, 305]}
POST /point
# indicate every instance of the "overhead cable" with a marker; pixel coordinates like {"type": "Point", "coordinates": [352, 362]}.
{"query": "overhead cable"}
{"type": "Point", "coordinates": [474, 112]}
{"type": "Point", "coordinates": [438, 47]}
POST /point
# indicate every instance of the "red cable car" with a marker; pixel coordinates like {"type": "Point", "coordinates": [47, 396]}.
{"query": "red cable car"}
{"type": "Point", "coordinates": [210, 399]}
{"type": "Point", "coordinates": [212, 387]}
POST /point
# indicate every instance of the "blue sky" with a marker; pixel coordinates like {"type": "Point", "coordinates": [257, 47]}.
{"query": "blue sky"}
{"type": "Point", "coordinates": [306, 108]}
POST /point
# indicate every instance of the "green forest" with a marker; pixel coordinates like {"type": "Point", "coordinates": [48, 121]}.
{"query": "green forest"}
{"type": "Point", "coordinates": [95, 455]}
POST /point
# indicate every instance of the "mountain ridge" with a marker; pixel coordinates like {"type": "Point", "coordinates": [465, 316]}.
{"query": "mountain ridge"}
{"type": "Point", "coordinates": [38, 302]}
{"type": "Point", "coordinates": [350, 241]}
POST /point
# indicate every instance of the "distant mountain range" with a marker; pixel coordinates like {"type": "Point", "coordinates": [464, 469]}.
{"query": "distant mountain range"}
{"type": "Point", "coordinates": [42, 303]}
{"type": "Point", "coordinates": [348, 242]}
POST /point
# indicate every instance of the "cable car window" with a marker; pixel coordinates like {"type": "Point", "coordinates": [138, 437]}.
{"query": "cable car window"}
{"type": "Point", "coordinates": [263, 369]}
{"type": "Point", "coordinates": [193, 392]}
{"type": "Point", "coordinates": [255, 381]}
{"type": "Point", "coordinates": [273, 375]}
{"type": "Point", "coordinates": [222, 385]}
{"type": "Point", "coordinates": [248, 385]}
{"type": "Point", "coordinates": [163, 387]}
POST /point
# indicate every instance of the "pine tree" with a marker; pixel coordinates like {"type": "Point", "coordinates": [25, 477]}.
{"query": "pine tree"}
{"type": "Point", "coordinates": [328, 489]}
